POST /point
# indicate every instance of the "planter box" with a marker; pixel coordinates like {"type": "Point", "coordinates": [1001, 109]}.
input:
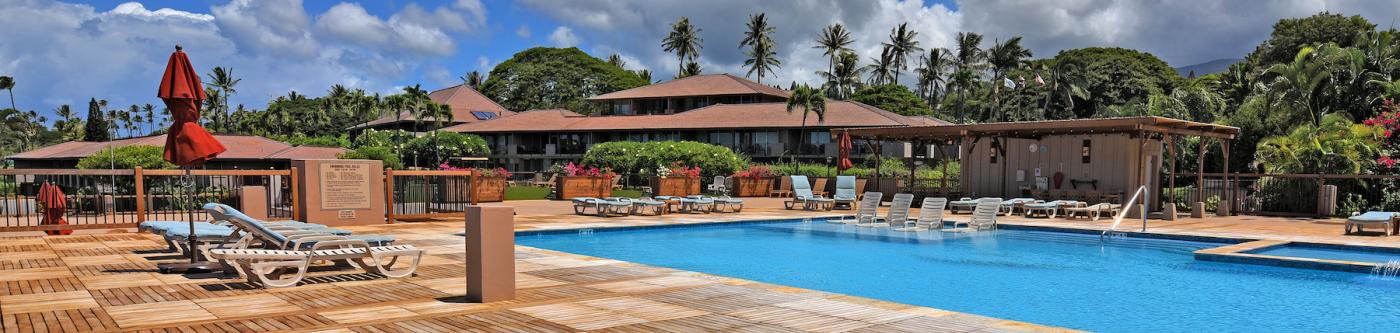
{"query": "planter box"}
{"type": "Point", "coordinates": [489, 189]}
{"type": "Point", "coordinates": [752, 187]}
{"type": "Point", "coordinates": [675, 186]}
{"type": "Point", "coordinates": [569, 187]}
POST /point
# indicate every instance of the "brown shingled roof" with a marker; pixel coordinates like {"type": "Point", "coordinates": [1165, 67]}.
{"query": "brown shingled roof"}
{"type": "Point", "coordinates": [461, 98]}
{"type": "Point", "coordinates": [239, 147]}
{"type": "Point", "coordinates": [755, 115]}
{"type": "Point", "coordinates": [699, 85]}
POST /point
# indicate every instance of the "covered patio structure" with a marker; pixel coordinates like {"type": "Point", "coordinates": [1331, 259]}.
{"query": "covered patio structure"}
{"type": "Point", "coordinates": [1106, 159]}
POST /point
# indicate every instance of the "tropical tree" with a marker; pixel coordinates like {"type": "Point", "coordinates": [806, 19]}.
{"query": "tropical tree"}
{"type": "Point", "coordinates": [96, 127]}
{"type": "Point", "coordinates": [644, 74]}
{"type": "Point", "coordinates": [1003, 57]}
{"type": "Point", "coordinates": [762, 54]}
{"type": "Point", "coordinates": [1064, 83]}
{"type": "Point", "coordinates": [933, 74]}
{"type": "Point", "coordinates": [882, 69]}
{"type": "Point", "coordinates": [222, 78]}
{"type": "Point", "coordinates": [616, 60]}
{"type": "Point", "coordinates": [683, 40]}
{"type": "Point", "coordinates": [893, 98]}
{"type": "Point", "coordinates": [690, 69]}
{"type": "Point", "coordinates": [845, 77]}
{"type": "Point", "coordinates": [1333, 144]}
{"type": "Point", "coordinates": [545, 78]}
{"type": "Point", "coordinates": [903, 42]}
{"type": "Point", "coordinates": [150, 112]}
{"type": "Point", "coordinates": [472, 79]}
{"type": "Point", "coordinates": [969, 57]}
{"type": "Point", "coordinates": [1303, 83]}
{"type": "Point", "coordinates": [68, 125]}
{"type": "Point", "coordinates": [810, 101]}
{"type": "Point", "coordinates": [8, 83]}
{"type": "Point", "coordinates": [835, 42]}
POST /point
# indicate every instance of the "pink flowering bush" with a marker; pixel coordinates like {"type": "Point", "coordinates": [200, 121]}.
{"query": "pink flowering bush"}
{"type": "Point", "coordinates": [755, 171]}
{"type": "Point", "coordinates": [572, 169]}
{"type": "Point", "coordinates": [1388, 121]}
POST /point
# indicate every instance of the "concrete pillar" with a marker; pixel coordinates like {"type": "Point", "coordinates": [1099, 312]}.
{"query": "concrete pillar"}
{"type": "Point", "coordinates": [490, 254]}
{"type": "Point", "coordinates": [252, 200]}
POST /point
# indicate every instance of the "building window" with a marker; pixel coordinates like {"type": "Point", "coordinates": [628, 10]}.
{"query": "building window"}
{"type": "Point", "coordinates": [1084, 152]}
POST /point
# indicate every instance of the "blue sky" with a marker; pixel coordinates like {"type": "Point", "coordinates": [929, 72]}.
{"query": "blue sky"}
{"type": "Point", "coordinates": [65, 52]}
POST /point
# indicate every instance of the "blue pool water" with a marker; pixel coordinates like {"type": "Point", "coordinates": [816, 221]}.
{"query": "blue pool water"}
{"type": "Point", "coordinates": [1059, 279]}
{"type": "Point", "coordinates": [1328, 253]}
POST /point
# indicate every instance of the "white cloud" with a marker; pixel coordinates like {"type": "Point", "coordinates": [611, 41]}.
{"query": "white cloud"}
{"type": "Point", "coordinates": [351, 22]}
{"type": "Point", "coordinates": [563, 37]}
{"type": "Point", "coordinates": [522, 31]}
{"type": "Point", "coordinates": [483, 64]}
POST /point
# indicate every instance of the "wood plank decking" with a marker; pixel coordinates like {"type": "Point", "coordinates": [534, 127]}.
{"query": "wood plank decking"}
{"type": "Point", "coordinates": [108, 283]}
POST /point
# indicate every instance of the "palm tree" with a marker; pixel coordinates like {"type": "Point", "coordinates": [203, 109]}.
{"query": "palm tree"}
{"type": "Point", "coordinates": [843, 80]}
{"type": "Point", "coordinates": [762, 53]}
{"type": "Point", "coordinates": [810, 101]}
{"type": "Point", "coordinates": [222, 79]}
{"type": "Point", "coordinates": [933, 74]}
{"type": "Point", "coordinates": [644, 74]}
{"type": "Point", "coordinates": [902, 43]}
{"type": "Point", "coordinates": [441, 113]}
{"type": "Point", "coordinates": [684, 40]}
{"type": "Point", "coordinates": [1303, 83]}
{"type": "Point", "coordinates": [1334, 144]}
{"type": "Point", "coordinates": [616, 60]}
{"type": "Point", "coordinates": [125, 117]}
{"type": "Point", "coordinates": [472, 79]}
{"type": "Point", "coordinates": [969, 56]}
{"type": "Point", "coordinates": [1064, 82]}
{"type": "Point", "coordinates": [150, 112]}
{"type": "Point", "coordinates": [8, 83]}
{"type": "Point", "coordinates": [834, 40]}
{"type": "Point", "coordinates": [1003, 57]}
{"type": "Point", "coordinates": [690, 69]}
{"type": "Point", "coordinates": [882, 68]}
{"type": "Point", "coordinates": [69, 125]}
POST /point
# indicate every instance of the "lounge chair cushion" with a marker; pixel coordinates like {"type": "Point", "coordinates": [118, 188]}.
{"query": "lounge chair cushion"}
{"type": "Point", "coordinates": [845, 188]}
{"type": "Point", "coordinates": [1373, 217]}
{"type": "Point", "coordinates": [213, 231]}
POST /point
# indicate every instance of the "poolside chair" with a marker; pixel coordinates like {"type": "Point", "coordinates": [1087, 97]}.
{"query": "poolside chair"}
{"type": "Point", "coordinates": [1092, 212]}
{"type": "Point", "coordinates": [719, 186]}
{"type": "Point", "coordinates": [696, 204]}
{"type": "Point", "coordinates": [930, 216]}
{"type": "Point", "coordinates": [726, 202]}
{"type": "Point", "coordinates": [1009, 207]}
{"type": "Point", "coordinates": [802, 194]}
{"type": "Point", "coordinates": [1048, 209]}
{"type": "Point", "coordinates": [963, 204]}
{"type": "Point", "coordinates": [268, 265]}
{"type": "Point", "coordinates": [645, 204]}
{"type": "Point", "coordinates": [784, 188]}
{"type": "Point", "coordinates": [1386, 220]}
{"type": "Point", "coordinates": [547, 183]}
{"type": "Point", "coordinates": [253, 233]}
{"type": "Point", "coordinates": [984, 215]}
{"type": "Point", "coordinates": [845, 191]}
{"type": "Point", "coordinates": [896, 216]}
{"type": "Point", "coordinates": [819, 186]}
{"type": "Point", "coordinates": [865, 211]}
{"type": "Point", "coordinates": [601, 207]}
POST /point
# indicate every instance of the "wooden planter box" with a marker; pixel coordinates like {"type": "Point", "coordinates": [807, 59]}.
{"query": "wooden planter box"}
{"type": "Point", "coordinates": [752, 187]}
{"type": "Point", "coordinates": [675, 186]}
{"type": "Point", "coordinates": [569, 187]}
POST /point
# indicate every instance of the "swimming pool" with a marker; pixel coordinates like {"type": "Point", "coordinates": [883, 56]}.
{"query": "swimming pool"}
{"type": "Point", "coordinates": [1329, 253]}
{"type": "Point", "coordinates": [1051, 278]}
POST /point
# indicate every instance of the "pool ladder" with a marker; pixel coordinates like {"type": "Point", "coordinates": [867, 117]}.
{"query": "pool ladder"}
{"type": "Point", "coordinates": [1141, 191]}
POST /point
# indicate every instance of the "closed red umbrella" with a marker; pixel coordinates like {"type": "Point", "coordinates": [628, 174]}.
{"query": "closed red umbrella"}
{"type": "Point", "coordinates": [186, 143]}
{"type": "Point", "coordinates": [844, 148]}
{"type": "Point", "coordinates": [55, 203]}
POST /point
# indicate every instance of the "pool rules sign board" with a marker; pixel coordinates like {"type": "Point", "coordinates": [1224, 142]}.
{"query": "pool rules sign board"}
{"type": "Point", "coordinates": [341, 192]}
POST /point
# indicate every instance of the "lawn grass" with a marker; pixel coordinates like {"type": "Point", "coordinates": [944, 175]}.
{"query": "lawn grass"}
{"type": "Point", "coordinates": [540, 193]}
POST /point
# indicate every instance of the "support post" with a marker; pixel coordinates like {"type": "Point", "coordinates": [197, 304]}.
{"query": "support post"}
{"type": "Point", "coordinates": [912, 154]}
{"type": "Point", "coordinates": [490, 234]}
{"type": "Point", "coordinates": [1198, 208]}
{"type": "Point", "coordinates": [296, 194]}
{"type": "Point", "coordinates": [1169, 212]}
{"type": "Point", "coordinates": [389, 195]}
{"type": "Point", "coordinates": [1227, 199]}
{"type": "Point", "coordinates": [944, 161]}
{"type": "Point", "coordinates": [474, 181]}
{"type": "Point", "coordinates": [140, 177]}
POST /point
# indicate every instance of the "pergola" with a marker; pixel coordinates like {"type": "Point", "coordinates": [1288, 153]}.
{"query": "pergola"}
{"type": "Point", "coordinates": [1143, 128]}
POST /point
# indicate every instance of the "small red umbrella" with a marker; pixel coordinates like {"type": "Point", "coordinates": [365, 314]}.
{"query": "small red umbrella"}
{"type": "Point", "coordinates": [186, 143]}
{"type": "Point", "coordinates": [844, 148]}
{"type": "Point", "coordinates": [55, 203]}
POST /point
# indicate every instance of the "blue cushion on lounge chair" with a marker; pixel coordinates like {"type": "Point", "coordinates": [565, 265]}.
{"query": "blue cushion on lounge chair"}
{"type": "Point", "coordinates": [1373, 217]}
{"type": "Point", "coordinates": [845, 188]}
{"type": "Point", "coordinates": [214, 231]}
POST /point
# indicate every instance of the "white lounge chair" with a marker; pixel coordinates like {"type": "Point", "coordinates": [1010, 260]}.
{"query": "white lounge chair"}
{"type": "Point", "coordinates": [865, 212]}
{"type": "Point", "coordinates": [1092, 212]}
{"type": "Point", "coordinates": [930, 215]}
{"type": "Point", "coordinates": [802, 194]}
{"type": "Point", "coordinates": [964, 204]}
{"type": "Point", "coordinates": [1386, 220]}
{"type": "Point", "coordinates": [1048, 209]}
{"type": "Point", "coordinates": [644, 204]}
{"type": "Point", "coordinates": [1009, 207]}
{"type": "Point", "coordinates": [845, 193]}
{"type": "Point", "coordinates": [897, 215]}
{"type": "Point", "coordinates": [268, 266]}
{"type": "Point", "coordinates": [984, 215]}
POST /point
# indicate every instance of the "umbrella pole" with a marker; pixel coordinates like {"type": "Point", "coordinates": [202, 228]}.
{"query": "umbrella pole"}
{"type": "Point", "coordinates": [187, 181]}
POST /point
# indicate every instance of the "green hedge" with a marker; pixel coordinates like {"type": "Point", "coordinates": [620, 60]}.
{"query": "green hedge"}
{"type": "Point", "coordinates": [645, 157]}
{"type": "Point", "coordinates": [430, 150]}
{"type": "Point", "coordinates": [128, 157]}
{"type": "Point", "coordinates": [391, 160]}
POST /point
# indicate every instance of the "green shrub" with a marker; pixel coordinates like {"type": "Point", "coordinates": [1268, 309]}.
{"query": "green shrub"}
{"type": "Point", "coordinates": [148, 157]}
{"type": "Point", "coordinates": [391, 160]}
{"type": "Point", "coordinates": [432, 149]}
{"type": "Point", "coordinates": [377, 138]}
{"type": "Point", "coordinates": [342, 141]}
{"type": "Point", "coordinates": [645, 157]}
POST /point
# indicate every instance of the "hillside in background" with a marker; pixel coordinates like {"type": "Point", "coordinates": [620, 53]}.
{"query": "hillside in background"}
{"type": "Point", "coordinates": [1209, 67]}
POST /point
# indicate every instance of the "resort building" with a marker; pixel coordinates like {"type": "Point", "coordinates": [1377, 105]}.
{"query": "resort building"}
{"type": "Point", "coordinates": [468, 106]}
{"type": "Point", "coordinates": [720, 109]}
{"type": "Point", "coordinates": [244, 152]}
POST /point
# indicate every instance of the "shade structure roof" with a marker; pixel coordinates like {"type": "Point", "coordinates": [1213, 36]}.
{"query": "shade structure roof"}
{"type": "Point", "coordinates": [1040, 129]}
{"type": "Point", "coordinates": [698, 85]}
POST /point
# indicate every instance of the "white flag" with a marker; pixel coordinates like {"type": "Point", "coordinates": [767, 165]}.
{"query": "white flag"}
{"type": "Point", "coordinates": [1008, 83]}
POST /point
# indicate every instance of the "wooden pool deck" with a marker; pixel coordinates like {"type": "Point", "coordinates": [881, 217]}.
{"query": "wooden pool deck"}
{"type": "Point", "coordinates": [106, 281]}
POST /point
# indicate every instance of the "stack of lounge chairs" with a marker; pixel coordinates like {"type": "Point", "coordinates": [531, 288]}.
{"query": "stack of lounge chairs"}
{"type": "Point", "coordinates": [616, 206]}
{"type": "Point", "coordinates": [266, 252]}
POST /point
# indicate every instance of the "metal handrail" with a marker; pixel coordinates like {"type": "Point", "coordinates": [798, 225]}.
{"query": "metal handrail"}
{"type": "Point", "coordinates": [1119, 219]}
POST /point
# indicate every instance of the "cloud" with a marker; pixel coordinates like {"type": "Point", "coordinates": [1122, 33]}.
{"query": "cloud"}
{"type": "Point", "coordinates": [563, 37]}
{"type": "Point", "coordinates": [522, 31]}
{"type": "Point", "coordinates": [63, 53]}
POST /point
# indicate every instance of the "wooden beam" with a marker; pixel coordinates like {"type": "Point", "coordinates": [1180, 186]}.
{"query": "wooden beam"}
{"type": "Point", "coordinates": [140, 194]}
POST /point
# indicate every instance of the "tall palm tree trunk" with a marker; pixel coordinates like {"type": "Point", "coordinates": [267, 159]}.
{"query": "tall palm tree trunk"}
{"type": "Point", "coordinates": [801, 131]}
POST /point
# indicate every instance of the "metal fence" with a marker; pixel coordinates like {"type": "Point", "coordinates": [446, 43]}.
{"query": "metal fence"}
{"type": "Point", "coordinates": [422, 194]}
{"type": "Point", "coordinates": [125, 197]}
{"type": "Point", "coordinates": [1316, 195]}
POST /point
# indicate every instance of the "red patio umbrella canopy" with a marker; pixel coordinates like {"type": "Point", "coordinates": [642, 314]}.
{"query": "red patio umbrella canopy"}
{"type": "Point", "coordinates": [186, 143]}
{"type": "Point", "coordinates": [844, 148]}
{"type": "Point", "coordinates": [55, 203]}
